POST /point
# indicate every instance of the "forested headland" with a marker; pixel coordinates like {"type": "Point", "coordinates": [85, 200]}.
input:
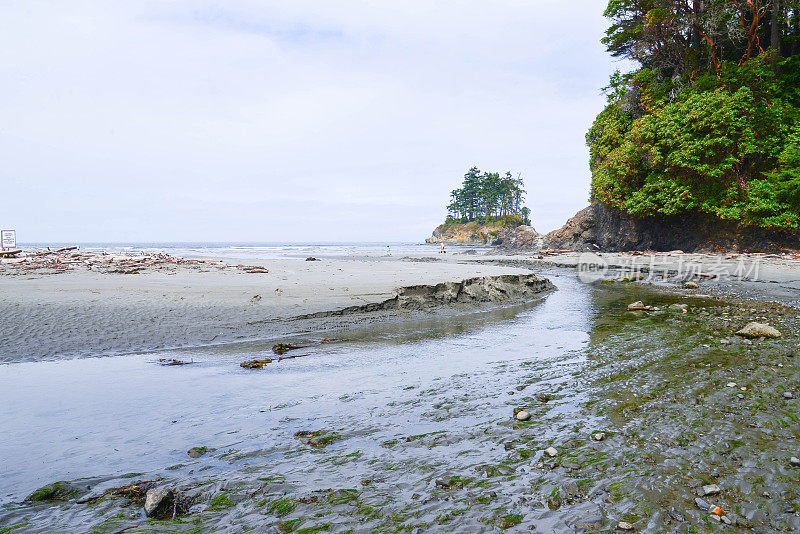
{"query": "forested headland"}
{"type": "Point", "coordinates": [488, 198]}
{"type": "Point", "coordinates": [709, 120]}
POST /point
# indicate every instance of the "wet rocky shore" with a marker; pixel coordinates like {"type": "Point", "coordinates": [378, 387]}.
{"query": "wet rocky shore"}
{"type": "Point", "coordinates": [661, 419]}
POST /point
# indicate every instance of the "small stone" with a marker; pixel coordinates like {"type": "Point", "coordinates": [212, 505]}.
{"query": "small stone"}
{"type": "Point", "coordinates": [158, 502]}
{"type": "Point", "coordinates": [739, 396]}
{"type": "Point", "coordinates": [702, 505]}
{"type": "Point", "coordinates": [544, 397]}
{"type": "Point", "coordinates": [691, 285]}
{"type": "Point", "coordinates": [731, 384]}
{"type": "Point", "coordinates": [446, 481]}
{"type": "Point", "coordinates": [794, 461]}
{"type": "Point", "coordinates": [710, 489]}
{"type": "Point", "coordinates": [716, 518]}
{"type": "Point", "coordinates": [551, 452]}
{"type": "Point", "coordinates": [788, 395]}
{"type": "Point", "coordinates": [637, 306]}
{"type": "Point", "coordinates": [624, 526]}
{"type": "Point", "coordinates": [727, 520]}
{"type": "Point", "coordinates": [523, 416]}
{"type": "Point", "coordinates": [416, 531]}
{"type": "Point", "coordinates": [599, 436]}
{"type": "Point", "coordinates": [197, 452]}
{"type": "Point", "coordinates": [742, 388]}
{"type": "Point", "coordinates": [756, 330]}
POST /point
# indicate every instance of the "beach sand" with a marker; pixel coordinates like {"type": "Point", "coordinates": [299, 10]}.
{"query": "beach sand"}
{"type": "Point", "coordinates": [84, 313]}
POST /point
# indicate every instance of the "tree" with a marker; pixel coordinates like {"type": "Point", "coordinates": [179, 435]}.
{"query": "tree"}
{"type": "Point", "coordinates": [486, 197]}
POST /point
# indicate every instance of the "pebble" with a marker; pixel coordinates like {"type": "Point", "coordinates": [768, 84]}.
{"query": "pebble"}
{"type": "Point", "coordinates": [625, 526]}
{"type": "Point", "coordinates": [702, 505]}
{"type": "Point", "coordinates": [727, 520]}
{"type": "Point", "coordinates": [691, 285]}
{"type": "Point", "coordinates": [444, 481]}
{"type": "Point", "coordinates": [731, 384]}
{"type": "Point", "coordinates": [740, 396]}
{"type": "Point", "coordinates": [523, 416]}
{"type": "Point", "coordinates": [551, 452]}
{"type": "Point", "coordinates": [599, 436]}
{"type": "Point", "coordinates": [788, 395]}
{"type": "Point", "coordinates": [710, 489]}
{"type": "Point", "coordinates": [716, 518]}
{"type": "Point", "coordinates": [794, 461]}
{"type": "Point", "coordinates": [196, 452]}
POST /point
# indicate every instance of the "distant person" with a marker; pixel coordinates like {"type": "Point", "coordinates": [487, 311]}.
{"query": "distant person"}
{"type": "Point", "coordinates": [442, 251]}
{"type": "Point", "coordinates": [388, 251]}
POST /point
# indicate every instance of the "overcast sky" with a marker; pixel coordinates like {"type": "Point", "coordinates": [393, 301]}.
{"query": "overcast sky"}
{"type": "Point", "coordinates": [292, 120]}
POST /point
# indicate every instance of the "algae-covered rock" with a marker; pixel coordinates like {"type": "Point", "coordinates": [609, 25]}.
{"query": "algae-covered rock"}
{"type": "Point", "coordinates": [57, 491]}
{"type": "Point", "coordinates": [755, 330]}
{"type": "Point", "coordinates": [159, 502]}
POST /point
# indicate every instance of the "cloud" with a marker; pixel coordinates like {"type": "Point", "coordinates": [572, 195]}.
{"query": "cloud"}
{"type": "Point", "coordinates": [281, 121]}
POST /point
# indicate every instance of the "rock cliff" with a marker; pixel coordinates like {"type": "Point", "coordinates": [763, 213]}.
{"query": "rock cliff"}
{"type": "Point", "coordinates": [602, 228]}
{"type": "Point", "coordinates": [475, 234]}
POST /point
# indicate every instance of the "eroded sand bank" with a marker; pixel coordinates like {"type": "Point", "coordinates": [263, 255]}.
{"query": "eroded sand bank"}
{"type": "Point", "coordinates": [84, 312]}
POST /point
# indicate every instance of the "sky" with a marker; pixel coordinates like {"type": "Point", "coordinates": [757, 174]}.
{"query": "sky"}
{"type": "Point", "coordinates": [281, 121]}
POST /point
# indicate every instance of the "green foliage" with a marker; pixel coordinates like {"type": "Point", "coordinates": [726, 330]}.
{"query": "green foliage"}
{"type": "Point", "coordinates": [488, 197]}
{"type": "Point", "coordinates": [706, 124]}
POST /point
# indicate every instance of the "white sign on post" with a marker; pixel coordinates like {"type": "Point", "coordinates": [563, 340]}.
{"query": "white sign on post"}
{"type": "Point", "coordinates": [8, 239]}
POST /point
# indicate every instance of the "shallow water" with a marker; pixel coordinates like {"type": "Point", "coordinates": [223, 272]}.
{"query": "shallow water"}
{"type": "Point", "coordinates": [107, 416]}
{"type": "Point", "coordinates": [404, 405]}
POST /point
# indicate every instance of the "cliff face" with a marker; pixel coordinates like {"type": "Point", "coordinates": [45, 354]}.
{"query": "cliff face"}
{"type": "Point", "coordinates": [599, 227]}
{"type": "Point", "coordinates": [484, 235]}
{"type": "Point", "coordinates": [465, 234]}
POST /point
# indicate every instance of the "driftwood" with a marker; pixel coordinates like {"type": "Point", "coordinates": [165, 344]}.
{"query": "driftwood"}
{"type": "Point", "coordinates": [69, 258]}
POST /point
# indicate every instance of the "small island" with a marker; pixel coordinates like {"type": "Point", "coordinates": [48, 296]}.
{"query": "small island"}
{"type": "Point", "coordinates": [485, 210]}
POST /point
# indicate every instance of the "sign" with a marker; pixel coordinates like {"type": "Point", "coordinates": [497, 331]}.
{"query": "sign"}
{"type": "Point", "coordinates": [8, 238]}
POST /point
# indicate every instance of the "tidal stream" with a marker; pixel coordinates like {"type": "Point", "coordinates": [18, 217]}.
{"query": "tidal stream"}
{"type": "Point", "coordinates": [382, 429]}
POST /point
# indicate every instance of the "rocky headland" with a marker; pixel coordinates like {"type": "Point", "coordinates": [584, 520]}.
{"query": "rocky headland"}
{"type": "Point", "coordinates": [475, 234]}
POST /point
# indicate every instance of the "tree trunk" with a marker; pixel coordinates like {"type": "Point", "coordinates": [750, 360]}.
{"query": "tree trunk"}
{"type": "Point", "coordinates": [775, 27]}
{"type": "Point", "coordinates": [697, 42]}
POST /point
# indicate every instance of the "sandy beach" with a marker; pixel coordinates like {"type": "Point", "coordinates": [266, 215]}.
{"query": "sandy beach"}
{"type": "Point", "coordinates": [83, 312]}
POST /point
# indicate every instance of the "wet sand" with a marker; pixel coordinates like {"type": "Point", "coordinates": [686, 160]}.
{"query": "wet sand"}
{"type": "Point", "coordinates": [83, 313]}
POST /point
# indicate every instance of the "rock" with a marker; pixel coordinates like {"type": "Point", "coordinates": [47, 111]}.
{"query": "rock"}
{"type": "Point", "coordinates": [725, 519]}
{"type": "Point", "coordinates": [159, 502]}
{"type": "Point", "coordinates": [636, 306]}
{"type": "Point", "coordinates": [676, 515]}
{"type": "Point", "coordinates": [599, 436]}
{"type": "Point", "coordinates": [551, 452]}
{"type": "Point", "coordinates": [604, 228]}
{"type": "Point", "coordinates": [716, 518]}
{"type": "Point", "coordinates": [624, 526]}
{"type": "Point", "coordinates": [311, 258]}
{"type": "Point", "coordinates": [710, 489]}
{"type": "Point", "coordinates": [755, 330]}
{"type": "Point", "coordinates": [197, 452]}
{"type": "Point", "coordinates": [681, 307]}
{"type": "Point", "coordinates": [416, 531]}
{"type": "Point", "coordinates": [523, 416]}
{"type": "Point", "coordinates": [702, 505]}
{"type": "Point", "coordinates": [544, 397]}
{"type": "Point", "coordinates": [445, 481]}
{"type": "Point", "coordinates": [57, 491]}
{"type": "Point", "coordinates": [788, 395]}
{"type": "Point", "coordinates": [794, 461]}
{"type": "Point", "coordinates": [691, 285]}
{"type": "Point", "coordinates": [731, 384]}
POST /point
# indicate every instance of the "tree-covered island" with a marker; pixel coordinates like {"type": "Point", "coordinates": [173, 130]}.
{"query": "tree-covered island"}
{"type": "Point", "coordinates": [488, 198]}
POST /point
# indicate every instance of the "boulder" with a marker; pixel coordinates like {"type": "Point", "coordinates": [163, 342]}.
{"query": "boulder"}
{"type": "Point", "coordinates": [159, 502]}
{"type": "Point", "coordinates": [756, 330]}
